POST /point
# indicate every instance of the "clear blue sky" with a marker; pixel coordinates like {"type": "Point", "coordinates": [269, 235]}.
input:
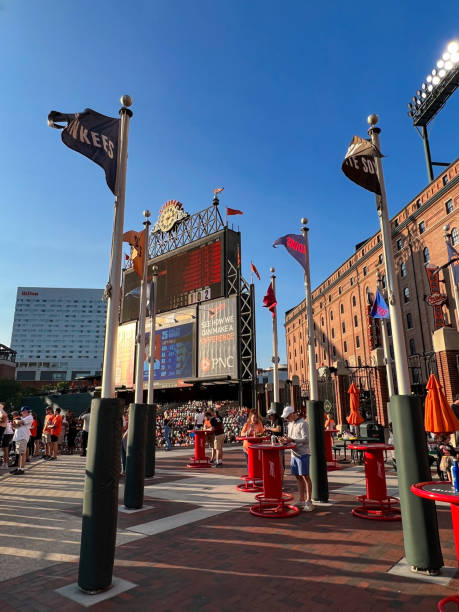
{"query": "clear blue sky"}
{"type": "Point", "coordinates": [260, 97]}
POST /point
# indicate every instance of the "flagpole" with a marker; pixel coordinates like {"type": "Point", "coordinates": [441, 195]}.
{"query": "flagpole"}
{"type": "Point", "coordinates": [113, 287]}
{"type": "Point", "coordinates": [275, 345]}
{"type": "Point", "coordinates": [393, 292]}
{"type": "Point", "coordinates": [251, 273]}
{"type": "Point", "coordinates": [452, 279]}
{"type": "Point", "coordinates": [386, 349]}
{"type": "Point", "coordinates": [139, 377]}
{"type": "Point", "coordinates": [151, 365]}
{"type": "Point", "coordinates": [313, 388]}
{"type": "Point", "coordinates": [419, 518]}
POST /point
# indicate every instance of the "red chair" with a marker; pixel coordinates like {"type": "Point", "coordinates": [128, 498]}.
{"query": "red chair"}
{"type": "Point", "coordinates": [452, 599]}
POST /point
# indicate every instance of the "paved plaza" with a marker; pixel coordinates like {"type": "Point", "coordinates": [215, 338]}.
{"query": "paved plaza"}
{"type": "Point", "coordinates": [195, 546]}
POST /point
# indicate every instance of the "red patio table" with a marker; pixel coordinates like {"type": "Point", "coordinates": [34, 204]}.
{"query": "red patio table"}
{"type": "Point", "coordinates": [199, 460]}
{"type": "Point", "coordinates": [442, 491]}
{"type": "Point", "coordinates": [376, 504]}
{"type": "Point", "coordinates": [272, 502]}
{"type": "Point", "coordinates": [253, 481]}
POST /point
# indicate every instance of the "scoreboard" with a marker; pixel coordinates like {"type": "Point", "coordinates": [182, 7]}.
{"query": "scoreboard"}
{"type": "Point", "coordinates": [189, 275]}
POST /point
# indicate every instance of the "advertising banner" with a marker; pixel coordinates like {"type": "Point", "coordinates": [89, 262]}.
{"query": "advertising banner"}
{"type": "Point", "coordinates": [124, 368]}
{"type": "Point", "coordinates": [217, 338]}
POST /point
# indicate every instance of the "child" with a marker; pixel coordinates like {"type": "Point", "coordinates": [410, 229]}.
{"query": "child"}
{"type": "Point", "coordinates": [447, 462]}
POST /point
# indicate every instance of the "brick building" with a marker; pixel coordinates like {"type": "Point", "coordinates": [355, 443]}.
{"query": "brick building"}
{"type": "Point", "coordinates": [349, 342]}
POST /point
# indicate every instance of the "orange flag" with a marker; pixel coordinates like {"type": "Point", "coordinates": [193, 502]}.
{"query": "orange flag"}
{"type": "Point", "coordinates": [137, 242]}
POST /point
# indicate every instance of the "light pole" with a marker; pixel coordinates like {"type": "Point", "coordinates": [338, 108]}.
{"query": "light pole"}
{"type": "Point", "coordinates": [387, 357]}
{"type": "Point", "coordinates": [150, 450]}
{"type": "Point", "coordinates": [452, 280]}
{"type": "Point", "coordinates": [420, 527]}
{"type": "Point", "coordinates": [275, 345]}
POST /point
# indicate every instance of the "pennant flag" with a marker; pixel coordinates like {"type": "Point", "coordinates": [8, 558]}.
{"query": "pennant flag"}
{"type": "Point", "coordinates": [379, 310]}
{"type": "Point", "coordinates": [359, 164]}
{"type": "Point", "coordinates": [453, 260]}
{"type": "Point", "coordinates": [135, 293]}
{"type": "Point", "coordinates": [93, 135]}
{"type": "Point", "coordinates": [233, 211]}
{"type": "Point", "coordinates": [269, 301]}
{"type": "Point", "coordinates": [254, 270]}
{"type": "Point", "coordinates": [127, 257]}
{"type": "Point", "coordinates": [294, 243]}
{"type": "Point", "coordinates": [137, 242]}
{"type": "Point", "coordinates": [218, 190]}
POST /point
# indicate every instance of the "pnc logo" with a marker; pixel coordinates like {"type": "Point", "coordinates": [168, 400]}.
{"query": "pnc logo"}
{"type": "Point", "coordinates": [205, 364]}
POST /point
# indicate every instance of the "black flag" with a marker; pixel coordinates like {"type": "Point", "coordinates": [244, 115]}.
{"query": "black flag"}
{"type": "Point", "coordinates": [359, 164]}
{"type": "Point", "coordinates": [93, 135]}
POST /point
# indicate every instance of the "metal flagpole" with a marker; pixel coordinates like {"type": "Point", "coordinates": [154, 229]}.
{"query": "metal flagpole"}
{"type": "Point", "coordinates": [275, 358]}
{"type": "Point", "coordinates": [137, 430]}
{"type": "Point", "coordinates": [150, 450]}
{"type": "Point", "coordinates": [451, 276]}
{"type": "Point", "coordinates": [386, 349]}
{"type": "Point", "coordinates": [420, 527]}
{"type": "Point", "coordinates": [315, 408]}
{"type": "Point", "coordinates": [100, 500]}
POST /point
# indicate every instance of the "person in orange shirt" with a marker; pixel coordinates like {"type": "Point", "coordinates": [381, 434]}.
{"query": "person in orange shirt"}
{"type": "Point", "coordinates": [46, 435]}
{"type": "Point", "coordinates": [56, 428]}
{"type": "Point", "coordinates": [252, 427]}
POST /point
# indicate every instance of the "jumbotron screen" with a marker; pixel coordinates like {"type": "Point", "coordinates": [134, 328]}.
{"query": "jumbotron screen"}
{"type": "Point", "coordinates": [190, 275]}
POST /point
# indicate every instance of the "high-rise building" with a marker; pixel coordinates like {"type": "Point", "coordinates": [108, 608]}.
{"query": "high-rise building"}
{"type": "Point", "coordinates": [58, 334]}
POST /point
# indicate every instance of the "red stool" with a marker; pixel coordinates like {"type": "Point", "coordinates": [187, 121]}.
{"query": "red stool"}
{"type": "Point", "coordinates": [253, 481]}
{"type": "Point", "coordinates": [199, 460]}
{"type": "Point", "coordinates": [452, 599]}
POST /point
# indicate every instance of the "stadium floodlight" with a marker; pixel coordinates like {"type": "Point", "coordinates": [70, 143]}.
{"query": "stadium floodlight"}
{"type": "Point", "coordinates": [438, 86]}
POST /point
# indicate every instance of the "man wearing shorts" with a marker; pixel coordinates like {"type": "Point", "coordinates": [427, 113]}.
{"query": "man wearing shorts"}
{"type": "Point", "coordinates": [298, 433]}
{"type": "Point", "coordinates": [46, 435]}
{"type": "Point", "coordinates": [56, 428]}
{"type": "Point", "coordinates": [216, 423]}
{"type": "Point", "coordinates": [21, 426]}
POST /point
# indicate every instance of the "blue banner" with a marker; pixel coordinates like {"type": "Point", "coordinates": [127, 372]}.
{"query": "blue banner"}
{"type": "Point", "coordinates": [379, 310]}
{"type": "Point", "coordinates": [294, 243]}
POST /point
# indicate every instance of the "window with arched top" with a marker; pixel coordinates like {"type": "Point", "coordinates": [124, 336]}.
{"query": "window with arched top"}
{"type": "Point", "coordinates": [426, 255]}
{"type": "Point", "coordinates": [454, 236]}
{"type": "Point", "coordinates": [403, 269]}
{"type": "Point", "coordinates": [331, 315]}
{"type": "Point", "coordinates": [354, 302]}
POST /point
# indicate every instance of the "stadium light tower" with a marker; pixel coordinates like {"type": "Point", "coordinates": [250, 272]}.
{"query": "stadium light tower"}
{"type": "Point", "coordinates": [438, 86]}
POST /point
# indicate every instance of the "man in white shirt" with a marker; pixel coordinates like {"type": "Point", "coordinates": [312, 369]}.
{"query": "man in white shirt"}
{"type": "Point", "coordinates": [21, 426]}
{"type": "Point", "coordinates": [199, 419]}
{"type": "Point", "coordinates": [85, 419]}
{"type": "Point", "coordinates": [298, 433]}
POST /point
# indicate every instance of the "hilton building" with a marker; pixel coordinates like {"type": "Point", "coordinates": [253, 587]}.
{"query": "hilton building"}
{"type": "Point", "coordinates": [348, 341]}
{"type": "Point", "coordinates": [58, 334]}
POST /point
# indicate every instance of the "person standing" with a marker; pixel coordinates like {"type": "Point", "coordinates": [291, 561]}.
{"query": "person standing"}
{"type": "Point", "coordinates": [85, 419]}
{"type": "Point", "coordinates": [6, 441]}
{"type": "Point", "coordinates": [56, 428]}
{"type": "Point", "coordinates": [198, 419]}
{"type": "Point", "coordinates": [298, 434]}
{"type": "Point", "coordinates": [167, 425]}
{"type": "Point", "coordinates": [21, 426]}
{"type": "Point", "coordinates": [33, 437]}
{"type": "Point", "coordinates": [71, 432]}
{"type": "Point", "coordinates": [216, 423]}
{"type": "Point", "coordinates": [251, 428]}
{"type": "Point", "coordinates": [46, 435]}
{"type": "Point", "coordinates": [3, 421]}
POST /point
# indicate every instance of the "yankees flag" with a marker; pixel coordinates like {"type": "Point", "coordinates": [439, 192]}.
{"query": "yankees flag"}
{"type": "Point", "coordinates": [379, 310]}
{"type": "Point", "coordinates": [294, 243]}
{"type": "Point", "coordinates": [359, 164]}
{"type": "Point", "coordinates": [93, 135]}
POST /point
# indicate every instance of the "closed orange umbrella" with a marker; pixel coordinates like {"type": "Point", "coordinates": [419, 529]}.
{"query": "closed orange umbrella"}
{"type": "Point", "coordinates": [354, 418]}
{"type": "Point", "coordinates": [439, 416]}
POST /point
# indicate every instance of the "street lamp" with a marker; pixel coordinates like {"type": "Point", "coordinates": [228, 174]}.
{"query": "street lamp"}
{"type": "Point", "coordinates": [438, 86]}
{"type": "Point", "coordinates": [449, 241]}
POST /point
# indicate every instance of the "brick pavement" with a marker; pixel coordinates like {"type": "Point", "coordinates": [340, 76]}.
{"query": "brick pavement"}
{"type": "Point", "coordinates": [325, 560]}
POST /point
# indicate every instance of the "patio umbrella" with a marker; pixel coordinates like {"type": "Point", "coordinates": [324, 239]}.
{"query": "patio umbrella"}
{"type": "Point", "coordinates": [439, 416]}
{"type": "Point", "coordinates": [354, 418]}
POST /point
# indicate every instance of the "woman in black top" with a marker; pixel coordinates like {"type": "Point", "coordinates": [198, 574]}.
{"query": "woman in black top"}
{"type": "Point", "coordinates": [167, 422]}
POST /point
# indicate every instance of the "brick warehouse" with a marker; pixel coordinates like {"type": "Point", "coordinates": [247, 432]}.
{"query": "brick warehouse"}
{"type": "Point", "coordinates": [349, 342]}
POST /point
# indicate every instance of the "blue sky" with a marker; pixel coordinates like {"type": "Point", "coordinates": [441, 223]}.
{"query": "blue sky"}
{"type": "Point", "coordinates": [260, 97]}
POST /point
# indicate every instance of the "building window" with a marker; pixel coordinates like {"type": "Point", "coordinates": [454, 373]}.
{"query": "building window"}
{"type": "Point", "coordinates": [383, 282]}
{"type": "Point", "coordinates": [345, 346]}
{"type": "Point", "coordinates": [406, 295]}
{"type": "Point", "coordinates": [334, 352]}
{"type": "Point", "coordinates": [409, 320]}
{"type": "Point", "coordinates": [322, 321]}
{"type": "Point", "coordinates": [445, 179]}
{"type": "Point", "coordinates": [418, 204]}
{"type": "Point", "coordinates": [365, 270]}
{"type": "Point", "coordinates": [342, 309]}
{"type": "Point", "coordinates": [426, 255]}
{"type": "Point", "coordinates": [357, 342]}
{"type": "Point", "coordinates": [412, 347]}
{"type": "Point", "coordinates": [449, 206]}
{"type": "Point", "coordinates": [454, 236]}
{"type": "Point", "coordinates": [343, 325]}
{"type": "Point", "coordinates": [396, 223]}
{"type": "Point", "coordinates": [352, 281]}
{"type": "Point", "coordinates": [403, 269]}
{"type": "Point", "coordinates": [353, 300]}
{"type": "Point", "coordinates": [378, 238]}
{"type": "Point", "coordinates": [333, 332]}
{"type": "Point", "coordinates": [399, 244]}
{"type": "Point", "coordinates": [356, 321]}
{"type": "Point", "coordinates": [359, 361]}
{"type": "Point", "coordinates": [323, 337]}
{"type": "Point", "coordinates": [340, 290]}
{"type": "Point", "coordinates": [422, 227]}
{"type": "Point", "coordinates": [329, 298]}
{"type": "Point", "coordinates": [380, 258]}
{"type": "Point", "coordinates": [331, 315]}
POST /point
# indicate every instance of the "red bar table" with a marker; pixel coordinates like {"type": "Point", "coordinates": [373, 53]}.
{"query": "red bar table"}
{"type": "Point", "coordinates": [271, 503]}
{"type": "Point", "coordinates": [442, 491]}
{"type": "Point", "coordinates": [376, 504]}
{"type": "Point", "coordinates": [199, 460]}
{"type": "Point", "coordinates": [331, 462]}
{"type": "Point", "coordinates": [253, 481]}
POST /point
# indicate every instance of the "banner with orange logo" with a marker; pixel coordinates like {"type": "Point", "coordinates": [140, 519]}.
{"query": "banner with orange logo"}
{"type": "Point", "coordinates": [218, 338]}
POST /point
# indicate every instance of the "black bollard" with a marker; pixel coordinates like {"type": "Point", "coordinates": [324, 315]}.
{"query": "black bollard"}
{"type": "Point", "coordinates": [135, 456]}
{"type": "Point", "coordinates": [318, 461]}
{"type": "Point", "coordinates": [100, 502]}
{"type": "Point", "coordinates": [419, 517]}
{"type": "Point", "coordinates": [151, 441]}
